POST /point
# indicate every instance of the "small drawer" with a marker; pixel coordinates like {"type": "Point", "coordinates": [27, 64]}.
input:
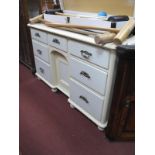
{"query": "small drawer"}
{"type": "Point", "coordinates": [58, 42]}
{"type": "Point", "coordinates": [39, 35]}
{"type": "Point", "coordinates": [40, 50]}
{"type": "Point", "coordinates": [96, 55]}
{"type": "Point", "coordinates": [88, 75]}
{"type": "Point", "coordinates": [86, 99]}
{"type": "Point", "coordinates": [43, 69]}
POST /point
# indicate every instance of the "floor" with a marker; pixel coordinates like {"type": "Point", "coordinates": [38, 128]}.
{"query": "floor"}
{"type": "Point", "coordinates": [48, 126]}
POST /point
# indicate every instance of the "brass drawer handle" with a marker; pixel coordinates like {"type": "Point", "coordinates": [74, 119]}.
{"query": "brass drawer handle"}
{"type": "Point", "coordinates": [56, 41]}
{"type": "Point", "coordinates": [85, 74]}
{"type": "Point", "coordinates": [37, 35]}
{"type": "Point", "coordinates": [83, 98]}
{"type": "Point", "coordinates": [41, 70]}
{"type": "Point", "coordinates": [39, 51]}
{"type": "Point", "coordinates": [128, 101]}
{"type": "Point", "coordinates": [85, 54]}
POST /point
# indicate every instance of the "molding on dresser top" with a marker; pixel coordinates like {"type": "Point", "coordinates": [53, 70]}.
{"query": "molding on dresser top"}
{"type": "Point", "coordinates": [72, 35]}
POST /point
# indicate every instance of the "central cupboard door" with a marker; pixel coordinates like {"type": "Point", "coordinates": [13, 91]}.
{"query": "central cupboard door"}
{"type": "Point", "coordinates": [61, 72]}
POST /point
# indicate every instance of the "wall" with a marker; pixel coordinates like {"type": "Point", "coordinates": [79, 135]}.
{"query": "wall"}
{"type": "Point", "coordinates": [115, 7]}
{"type": "Point", "coordinates": [33, 7]}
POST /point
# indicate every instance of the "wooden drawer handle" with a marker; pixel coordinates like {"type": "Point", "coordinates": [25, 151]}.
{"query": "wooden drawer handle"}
{"type": "Point", "coordinates": [41, 70]}
{"type": "Point", "coordinates": [85, 74]}
{"type": "Point", "coordinates": [85, 54]}
{"type": "Point", "coordinates": [37, 35]}
{"type": "Point", "coordinates": [56, 41]}
{"type": "Point", "coordinates": [39, 52]}
{"type": "Point", "coordinates": [83, 98]}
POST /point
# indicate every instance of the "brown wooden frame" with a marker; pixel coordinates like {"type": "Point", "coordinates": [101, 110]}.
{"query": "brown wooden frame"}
{"type": "Point", "coordinates": [121, 124]}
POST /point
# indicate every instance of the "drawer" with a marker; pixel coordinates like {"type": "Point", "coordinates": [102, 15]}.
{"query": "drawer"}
{"type": "Point", "coordinates": [88, 75]}
{"type": "Point", "coordinates": [39, 35]}
{"type": "Point", "coordinates": [43, 69]}
{"type": "Point", "coordinates": [96, 55]}
{"type": "Point", "coordinates": [40, 50]}
{"type": "Point", "coordinates": [86, 99]}
{"type": "Point", "coordinates": [57, 41]}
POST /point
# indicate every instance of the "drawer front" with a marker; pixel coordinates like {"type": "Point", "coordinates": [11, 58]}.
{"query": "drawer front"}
{"type": "Point", "coordinates": [86, 99]}
{"type": "Point", "coordinates": [96, 55]}
{"type": "Point", "coordinates": [43, 69]}
{"type": "Point", "coordinates": [39, 35]}
{"type": "Point", "coordinates": [88, 75]}
{"type": "Point", "coordinates": [58, 42]}
{"type": "Point", "coordinates": [40, 50]}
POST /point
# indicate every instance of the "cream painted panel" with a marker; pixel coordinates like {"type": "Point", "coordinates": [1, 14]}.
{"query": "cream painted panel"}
{"type": "Point", "coordinates": [86, 99]}
{"type": "Point", "coordinates": [43, 69]}
{"type": "Point", "coordinates": [58, 42]}
{"type": "Point", "coordinates": [63, 66]}
{"type": "Point", "coordinates": [40, 50]}
{"type": "Point", "coordinates": [62, 73]}
{"type": "Point", "coordinates": [39, 35]}
{"type": "Point", "coordinates": [89, 53]}
{"type": "Point", "coordinates": [88, 75]}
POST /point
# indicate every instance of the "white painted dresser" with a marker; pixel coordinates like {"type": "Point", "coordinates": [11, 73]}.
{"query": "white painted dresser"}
{"type": "Point", "coordinates": [75, 65]}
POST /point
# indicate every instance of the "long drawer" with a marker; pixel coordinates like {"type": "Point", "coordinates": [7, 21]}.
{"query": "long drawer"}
{"type": "Point", "coordinates": [86, 99]}
{"type": "Point", "coordinates": [39, 35]}
{"type": "Point", "coordinates": [43, 69]}
{"type": "Point", "coordinates": [88, 75]}
{"type": "Point", "coordinates": [58, 42]}
{"type": "Point", "coordinates": [96, 55]}
{"type": "Point", "coordinates": [40, 50]}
